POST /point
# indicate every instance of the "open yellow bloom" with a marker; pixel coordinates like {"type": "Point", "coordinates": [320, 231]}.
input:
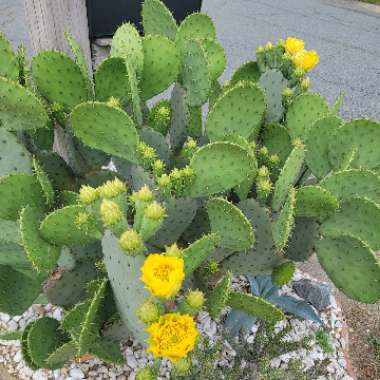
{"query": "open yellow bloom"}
{"type": "Point", "coordinates": [163, 275]}
{"type": "Point", "coordinates": [294, 45]}
{"type": "Point", "coordinates": [306, 59]}
{"type": "Point", "coordinates": [173, 336]}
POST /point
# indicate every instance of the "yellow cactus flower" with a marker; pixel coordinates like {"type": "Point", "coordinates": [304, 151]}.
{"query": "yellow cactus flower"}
{"type": "Point", "coordinates": [172, 337]}
{"type": "Point", "coordinates": [110, 212]}
{"type": "Point", "coordinates": [293, 45]}
{"type": "Point", "coordinates": [306, 59]}
{"type": "Point", "coordinates": [87, 195]}
{"type": "Point", "coordinates": [163, 275]}
{"type": "Point", "coordinates": [112, 189]}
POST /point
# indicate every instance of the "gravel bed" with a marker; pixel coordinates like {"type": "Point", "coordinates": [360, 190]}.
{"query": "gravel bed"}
{"type": "Point", "coordinates": [93, 369]}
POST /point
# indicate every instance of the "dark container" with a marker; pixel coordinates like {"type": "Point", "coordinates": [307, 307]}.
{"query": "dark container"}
{"type": "Point", "coordinates": [104, 16]}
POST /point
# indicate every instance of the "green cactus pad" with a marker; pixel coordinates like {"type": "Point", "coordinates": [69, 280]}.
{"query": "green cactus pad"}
{"type": "Point", "coordinates": [124, 274]}
{"type": "Point", "coordinates": [14, 157]}
{"type": "Point", "coordinates": [161, 65]}
{"type": "Point", "coordinates": [111, 80]}
{"type": "Point", "coordinates": [239, 110]}
{"type": "Point", "coordinates": [63, 354]}
{"type": "Point", "coordinates": [303, 112]}
{"type": "Point", "coordinates": [216, 58]}
{"type": "Point", "coordinates": [24, 347]}
{"type": "Point", "coordinates": [315, 202]}
{"type": "Point", "coordinates": [20, 109]}
{"type": "Point", "coordinates": [301, 244]}
{"type": "Point", "coordinates": [180, 212]}
{"type": "Point", "coordinates": [288, 176]}
{"type": "Point", "coordinates": [42, 255]}
{"type": "Point", "coordinates": [180, 120]}
{"type": "Point", "coordinates": [9, 232]}
{"type": "Point", "coordinates": [283, 274]}
{"type": "Point", "coordinates": [107, 128]}
{"type": "Point", "coordinates": [157, 141]}
{"type": "Point", "coordinates": [317, 144]}
{"type": "Point", "coordinates": [61, 228]}
{"type": "Point", "coordinates": [73, 319]}
{"type": "Point", "coordinates": [108, 350]}
{"type": "Point", "coordinates": [276, 138]}
{"type": "Point", "coordinates": [59, 79]}
{"type": "Point", "coordinates": [92, 322]}
{"type": "Point", "coordinates": [263, 257]}
{"type": "Point", "coordinates": [255, 306]}
{"type": "Point", "coordinates": [217, 299]}
{"type": "Point", "coordinates": [127, 44]}
{"type": "Point", "coordinates": [195, 26]}
{"type": "Point", "coordinates": [8, 60]}
{"type": "Point", "coordinates": [273, 84]}
{"type": "Point", "coordinates": [80, 60]}
{"type": "Point", "coordinates": [43, 339]}
{"type": "Point", "coordinates": [198, 227]}
{"type": "Point", "coordinates": [353, 183]}
{"type": "Point", "coordinates": [135, 94]}
{"type": "Point", "coordinates": [67, 287]}
{"type": "Point", "coordinates": [18, 290]}
{"type": "Point", "coordinates": [44, 182]}
{"type": "Point", "coordinates": [357, 217]}
{"type": "Point", "coordinates": [196, 253]}
{"type": "Point", "coordinates": [284, 223]}
{"type": "Point", "coordinates": [18, 191]}
{"type": "Point", "coordinates": [352, 266]}
{"type": "Point", "coordinates": [248, 71]}
{"type": "Point", "coordinates": [157, 19]}
{"type": "Point", "coordinates": [195, 76]}
{"type": "Point", "coordinates": [362, 137]}
{"type": "Point", "coordinates": [218, 167]}
{"type": "Point", "coordinates": [230, 224]}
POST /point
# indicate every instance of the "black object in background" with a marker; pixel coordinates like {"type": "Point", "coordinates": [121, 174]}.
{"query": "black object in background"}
{"type": "Point", "coordinates": [104, 16]}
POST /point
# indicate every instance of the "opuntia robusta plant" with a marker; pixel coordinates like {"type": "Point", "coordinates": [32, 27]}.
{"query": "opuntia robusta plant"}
{"type": "Point", "coordinates": [112, 205]}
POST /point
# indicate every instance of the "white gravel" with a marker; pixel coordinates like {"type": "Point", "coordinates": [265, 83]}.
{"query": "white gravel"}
{"type": "Point", "coordinates": [136, 357]}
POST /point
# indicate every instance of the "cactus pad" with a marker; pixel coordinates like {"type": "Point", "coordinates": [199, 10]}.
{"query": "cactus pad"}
{"type": "Point", "coordinates": [59, 79]}
{"type": "Point", "coordinates": [161, 65]}
{"type": "Point", "coordinates": [43, 180]}
{"type": "Point", "coordinates": [317, 144]}
{"type": "Point", "coordinates": [288, 176]}
{"type": "Point", "coordinates": [111, 80]}
{"type": "Point", "coordinates": [239, 110]}
{"type": "Point", "coordinates": [18, 191]}
{"type": "Point", "coordinates": [18, 290]}
{"type": "Point", "coordinates": [61, 227]}
{"type": "Point", "coordinates": [43, 255]}
{"type": "Point", "coordinates": [195, 76]}
{"type": "Point", "coordinates": [24, 346]}
{"type": "Point", "coordinates": [276, 138]}
{"type": "Point", "coordinates": [284, 223]}
{"type": "Point", "coordinates": [303, 112]}
{"type": "Point", "coordinates": [216, 58]}
{"type": "Point", "coordinates": [217, 299]}
{"type": "Point", "coordinates": [61, 355]}
{"type": "Point", "coordinates": [108, 350]}
{"type": "Point", "coordinates": [218, 167]}
{"type": "Point", "coordinates": [106, 128]}
{"type": "Point", "coordinates": [43, 339]}
{"type": "Point", "coordinates": [158, 20]}
{"type": "Point", "coordinates": [315, 202]}
{"type": "Point", "coordinates": [249, 71]}
{"type": "Point", "coordinates": [352, 266]}
{"type": "Point", "coordinates": [20, 109]}
{"type": "Point", "coordinates": [127, 44]}
{"type": "Point", "coordinates": [8, 60]}
{"type": "Point", "coordinates": [230, 224]}
{"type": "Point", "coordinates": [273, 84]}
{"type": "Point", "coordinates": [357, 217]}
{"type": "Point", "coordinates": [14, 157]}
{"type": "Point", "coordinates": [360, 137]}
{"type": "Point", "coordinates": [353, 183]}
{"type": "Point", "coordinates": [255, 306]}
{"type": "Point", "coordinates": [135, 95]}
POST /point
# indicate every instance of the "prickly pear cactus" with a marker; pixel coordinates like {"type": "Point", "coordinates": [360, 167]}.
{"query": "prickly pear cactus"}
{"type": "Point", "coordinates": [144, 198]}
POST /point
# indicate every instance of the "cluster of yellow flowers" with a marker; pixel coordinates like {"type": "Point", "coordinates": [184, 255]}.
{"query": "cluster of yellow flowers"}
{"type": "Point", "coordinates": [303, 59]}
{"type": "Point", "coordinates": [173, 335]}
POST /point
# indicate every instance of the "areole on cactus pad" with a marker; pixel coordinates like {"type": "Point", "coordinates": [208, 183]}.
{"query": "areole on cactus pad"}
{"type": "Point", "coordinates": [147, 202]}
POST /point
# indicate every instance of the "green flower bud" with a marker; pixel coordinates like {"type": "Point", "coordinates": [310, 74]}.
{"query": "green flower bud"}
{"type": "Point", "coordinates": [147, 155]}
{"type": "Point", "coordinates": [131, 243]}
{"type": "Point", "coordinates": [183, 366]}
{"type": "Point", "coordinates": [87, 195]}
{"type": "Point", "coordinates": [263, 172]}
{"type": "Point", "coordinates": [154, 211]}
{"type": "Point", "coordinates": [112, 189]}
{"type": "Point", "coordinates": [305, 84]}
{"type": "Point", "coordinates": [110, 212]}
{"type": "Point", "coordinates": [160, 117]}
{"type": "Point", "coordinates": [195, 299]}
{"type": "Point", "coordinates": [149, 312]}
{"type": "Point", "coordinates": [114, 102]}
{"type": "Point", "coordinates": [143, 195]}
{"type": "Point", "coordinates": [288, 92]}
{"type": "Point", "coordinates": [173, 250]}
{"type": "Point", "coordinates": [158, 168]}
{"type": "Point", "coordinates": [145, 374]}
{"type": "Point", "coordinates": [82, 219]}
{"type": "Point", "coordinates": [274, 160]}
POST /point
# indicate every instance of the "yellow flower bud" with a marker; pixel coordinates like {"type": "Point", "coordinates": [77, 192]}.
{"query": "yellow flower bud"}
{"type": "Point", "coordinates": [305, 84]}
{"type": "Point", "coordinates": [143, 195]}
{"type": "Point", "coordinates": [154, 211]}
{"type": "Point", "coordinates": [82, 219]}
{"type": "Point", "coordinates": [288, 92]}
{"type": "Point", "coordinates": [264, 186]}
{"type": "Point", "coordinates": [148, 313]}
{"type": "Point", "coordinates": [131, 243]}
{"type": "Point", "coordinates": [269, 46]}
{"type": "Point", "coordinates": [112, 188]}
{"type": "Point", "coordinates": [195, 299]}
{"type": "Point", "coordinates": [298, 143]}
{"type": "Point", "coordinates": [173, 250]}
{"type": "Point", "coordinates": [110, 212]}
{"type": "Point", "coordinates": [263, 172]}
{"type": "Point", "coordinates": [145, 374]}
{"type": "Point", "coordinates": [263, 151]}
{"type": "Point", "coordinates": [274, 160]}
{"type": "Point", "coordinates": [87, 194]}
{"type": "Point", "coordinates": [158, 167]}
{"type": "Point", "coordinates": [163, 181]}
{"type": "Point", "coordinates": [294, 45]}
{"type": "Point", "coordinates": [114, 102]}
{"type": "Point", "coordinates": [306, 60]}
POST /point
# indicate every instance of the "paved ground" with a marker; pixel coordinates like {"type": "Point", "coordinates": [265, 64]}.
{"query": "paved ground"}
{"type": "Point", "coordinates": [345, 33]}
